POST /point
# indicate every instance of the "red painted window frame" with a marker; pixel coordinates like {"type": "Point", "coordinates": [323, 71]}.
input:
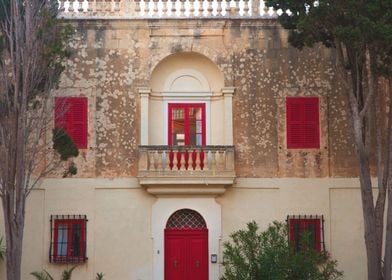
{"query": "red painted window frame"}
{"type": "Point", "coordinates": [186, 106]}
{"type": "Point", "coordinates": [82, 243]}
{"type": "Point", "coordinates": [303, 223]}
{"type": "Point", "coordinates": [71, 115]}
{"type": "Point", "coordinates": [303, 122]}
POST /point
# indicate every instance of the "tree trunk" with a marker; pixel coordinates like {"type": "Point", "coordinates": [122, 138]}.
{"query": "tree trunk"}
{"type": "Point", "coordinates": [14, 225]}
{"type": "Point", "coordinates": [388, 238]}
{"type": "Point", "coordinates": [369, 214]}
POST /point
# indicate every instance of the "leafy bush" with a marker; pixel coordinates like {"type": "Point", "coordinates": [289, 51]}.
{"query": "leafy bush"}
{"type": "Point", "coordinates": [44, 275]}
{"type": "Point", "coordinates": [251, 255]}
{"type": "Point", "coordinates": [100, 276]}
{"type": "Point", "coordinates": [2, 249]}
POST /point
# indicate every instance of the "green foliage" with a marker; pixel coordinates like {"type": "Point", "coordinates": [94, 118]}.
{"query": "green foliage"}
{"type": "Point", "coordinates": [251, 255]}
{"type": "Point", "coordinates": [66, 148]}
{"type": "Point", "coordinates": [359, 25]}
{"type": "Point", "coordinates": [44, 275]}
{"type": "Point", "coordinates": [2, 249]}
{"type": "Point", "coordinates": [63, 144]}
{"type": "Point", "coordinates": [67, 274]}
{"type": "Point", "coordinates": [100, 276]}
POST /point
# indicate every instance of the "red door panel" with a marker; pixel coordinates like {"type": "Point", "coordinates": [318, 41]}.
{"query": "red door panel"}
{"type": "Point", "coordinates": [175, 258]}
{"type": "Point", "coordinates": [186, 254]}
{"type": "Point", "coordinates": [198, 262]}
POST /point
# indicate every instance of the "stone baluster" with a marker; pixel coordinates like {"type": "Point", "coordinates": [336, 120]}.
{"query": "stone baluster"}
{"type": "Point", "coordinates": [197, 160]}
{"type": "Point", "coordinates": [265, 11]}
{"type": "Point", "coordinates": [191, 162]}
{"type": "Point", "coordinates": [151, 155]}
{"type": "Point", "coordinates": [181, 160]}
{"type": "Point", "coordinates": [222, 160]}
{"type": "Point", "coordinates": [166, 159]}
{"type": "Point", "coordinates": [219, 8]}
{"type": "Point", "coordinates": [182, 8]}
{"type": "Point", "coordinates": [163, 160]}
{"type": "Point", "coordinates": [206, 154]}
{"type": "Point", "coordinates": [246, 8]}
{"type": "Point", "coordinates": [209, 8]}
{"type": "Point", "coordinates": [71, 6]}
{"type": "Point", "coordinates": [201, 8]}
{"type": "Point", "coordinates": [213, 160]}
{"type": "Point", "coordinates": [164, 8]}
{"type": "Point", "coordinates": [117, 7]}
{"type": "Point", "coordinates": [237, 8]}
{"type": "Point", "coordinates": [80, 6]}
{"type": "Point", "coordinates": [90, 7]}
{"type": "Point", "coordinates": [62, 6]}
{"type": "Point", "coordinates": [191, 8]}
{"type": "Point", "coordinates": [158, 160]}
{"type": "Point", "coordinates": [228, 8]}
{"type": "Point", "coordinates": [108, 5]}
{"type": "Point", "coordinates": [98, 6]}
{"type": "Point", "coordinates": [229, 158]}
{"type": "Point", "coordinates": [273, 13]}
{"type": "Point", "coordinates": [217, 160]}
{"type": "Point", "coordinates": [143, 160]}
{"type": "Point", "coordinates": [173, 8]}
{"type": "Point", "coordinates": [175, 161]}
{"type": "Point", "coordinates": [155, 9]}
{"type": "Point", "coordinates": [137, 8]}
{"type": "Point", "coordinates": [255, 8]}
{"type": "Point", "coordinates": [146, 7]}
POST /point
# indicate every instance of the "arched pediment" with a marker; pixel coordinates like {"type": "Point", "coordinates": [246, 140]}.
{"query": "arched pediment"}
{"type": "Point", "coordinates": [186, 80]}
{"type": "Point", "coordinates": [186, 72]}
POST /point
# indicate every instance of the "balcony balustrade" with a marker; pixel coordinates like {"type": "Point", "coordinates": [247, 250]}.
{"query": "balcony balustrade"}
{"type": "Point", "coordinates": [165, 9]}
{"type": "Point", "coordinates": [186, 166]}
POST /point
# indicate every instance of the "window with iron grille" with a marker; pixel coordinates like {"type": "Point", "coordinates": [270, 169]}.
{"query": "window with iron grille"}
{"type": "Point", "coordinates": [68, 238]}
{"type": "Point", "coordinates": [306, 226]}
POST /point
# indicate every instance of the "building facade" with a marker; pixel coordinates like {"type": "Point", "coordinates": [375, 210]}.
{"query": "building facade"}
{"type": "Point", "coordinates": [192, 119]}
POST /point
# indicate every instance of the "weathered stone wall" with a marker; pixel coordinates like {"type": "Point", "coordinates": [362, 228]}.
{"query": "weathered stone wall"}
{"type": "Point", "coordinates": [114, 57]}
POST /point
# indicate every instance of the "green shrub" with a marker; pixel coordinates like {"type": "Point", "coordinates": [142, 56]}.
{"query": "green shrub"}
{"type": "Point", "coordinates": [251, 255]}
{"type": "Point", "coordinates": [2, 249]}
{"type": "Point", "coordinates": [100, 276]}
{"type": "Point", "coordinates": [44, 275]}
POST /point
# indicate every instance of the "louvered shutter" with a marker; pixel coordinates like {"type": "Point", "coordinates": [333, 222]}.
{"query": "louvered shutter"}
{"type": "Point", "coordinates": [71, 115]}
{"type": "Point", "coordinates": [302, 122]}
{"type": "Point", "coordinates": [78, 117]}
{"type": "Point", "coordinates": [61, 113]}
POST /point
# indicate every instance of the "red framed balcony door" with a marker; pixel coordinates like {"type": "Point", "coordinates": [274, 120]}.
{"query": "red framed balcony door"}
{"type": "Point", "coordinates": [186, 254]}
{"type": "Point", "coordinates": [187, 124]}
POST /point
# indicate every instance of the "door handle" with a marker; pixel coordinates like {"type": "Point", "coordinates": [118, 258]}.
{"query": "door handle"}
{"type": "Point", "coordinates": [197, 263]}
{"type": "Point", "coordinates": [175, 264]}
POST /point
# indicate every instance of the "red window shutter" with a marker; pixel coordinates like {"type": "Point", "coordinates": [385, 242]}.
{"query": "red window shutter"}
{"type": "Point", "coordinates": [71, 115]}
{"type": "Point", "coordinates": [302, 123]}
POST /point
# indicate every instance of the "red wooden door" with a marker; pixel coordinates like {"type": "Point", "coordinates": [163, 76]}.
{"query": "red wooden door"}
{"type": "Point", "coordinates": [186, 254]}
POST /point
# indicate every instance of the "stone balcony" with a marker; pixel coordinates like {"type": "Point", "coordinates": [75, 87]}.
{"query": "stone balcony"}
{"type": "Point", "coordinates": [186, 169]}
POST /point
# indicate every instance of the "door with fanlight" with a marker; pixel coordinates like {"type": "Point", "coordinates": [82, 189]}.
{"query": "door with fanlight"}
{"type": "Point", "coordinates": [186, 246]}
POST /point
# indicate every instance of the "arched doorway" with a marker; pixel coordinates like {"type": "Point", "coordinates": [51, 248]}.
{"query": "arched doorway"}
{"type": "Point", "coordinates": [186, 246]}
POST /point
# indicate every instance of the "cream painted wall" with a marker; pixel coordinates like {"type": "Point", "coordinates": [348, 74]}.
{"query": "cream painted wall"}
{"type": "Point", "coordinates": [125, 223]}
